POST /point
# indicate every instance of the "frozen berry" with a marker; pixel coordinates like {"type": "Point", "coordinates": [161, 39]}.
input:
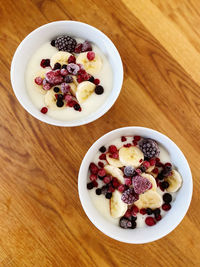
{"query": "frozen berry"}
{"type": "Point", "coordinates": [102, 149]}
{"type": "Point", "coordinates": [93, 168]}
{"type": "Point", "coordinates": [95, 184]}
{"type": "Point", "coordinates": [63, 72]}
{"type": "Point", "coordinates": [141, 184]}
{"type": "Point", "coordinates": [54, 77]}
{"type": "Point", "coordinates": [98, 191]}
{"type": "Point", "coordinates": [99, 90]}
{"type": "Point", "coordinates": [77, 107]}
{"type": "Point", "coordinates": [65, 43]}
{"type": "Point", "coordinates": [68, 98]}
{"type": "Point", "coordinates": [45, 63]}
{"type": "Point", "coordinates": [78, 48]}
{"type": "Point", "coordinates": [44, 110]}
{"type": "Point", "coordinates": [128, 181]}
{"type": "Point", "coordinates": [142, 168]}
{"type": "Point", "coordinates": [101, 173]}
{"type": "Point", "coordinates": [166, 206]}
{"type": "Point", "coordinates": [112, 149]}
{"type": "Point", "coordinates": [134, 143]}
{"type": "Point", "coordinates": [59, 103]}
{"type": "Point", "coordinates": [96, 81]}
{"type": "Point", "coordinates": [115, 155]}
{"type": "Point", "coordinates": [71, 59]}
{"type": "Point", "coordinates": [53, 42]}
{"type": "Point", "coordinates": [129, 171]}
{"type": "Point", "coordinates": [155, 170]}
{"type": "Point", "coordinates": [90, 186]}
{"type": "Point", "coordinates": [38, 80]}
{"type": "Point", "coordinates": [57, 66]}
{"type": "Point", "coordinates": [156, 212]}
{"type": "Point", "coordinates": [86, 46]}
{"type": "Point", "coordinates": [149, 147]}
{"type": "Point", "coordinates": [115, 182]}
{"type": "Point", "coordinates": [167, 170]}
{"type": "Point", "coordinates": [102, 157]}
{"type": "Point", "coordinates": [127, 145]}
{"type": "Point", "coordinates": [73, 68]}
{"type": "Point", "coordinates": [108, 195]}
{"type": "Point", "coordinates": [135, 210]}
{"type": "Point", "coordinates": [150, 221]}
{"type": "Point", "coordinates": [65, 88]}
{"type": "Point", "coordinates": [56, 89]}
{"type": "Point", "coordinates": [160, 176]}
{"type": "Point", "coordinates": [138, 171]}
{"type": "Point", "coordinates": [137, 138]}
{"type": "Point", "coordinates": [106, 179]}
{"type": "Point", "coordinates": [90, 55]}
{"type": "Point", "coordinates": [149, 211]}
{"type": "Point", "coordinates": [167, 198]}
{"type": "Point", "coordinates": [68, 79]}
{"type": "Point", "coordinates": [146, 164]}
{"type": "Point", "coordinates": [152, 162]}
{"type": "Point", "coordinates": [123, 139]}
{"type": "Point", "coordinates": [158, 217]}
{"type": "Point", "coordinates": [104, 189]}
{"type": "Point", "coordinates": [46, 85]}
{"type": "Point", "coordinates": [129, 196]}
{"type": "Point", "coordinates": [128, 213]}
{"type": "Point", "coordinates": [64, 66]}
{"type": "Point", "coordinates": [164, 185]}
{"type": "Point", "coordinates": [93, 177]}
{"type": "Point", "coordinates": [143, 211]}
{"type": "Point", "coordinates": [91, 79]}
{"type": "Point", "coordinates": [123, 222]}
{"type": "Point", "coordinates": [121, 188]}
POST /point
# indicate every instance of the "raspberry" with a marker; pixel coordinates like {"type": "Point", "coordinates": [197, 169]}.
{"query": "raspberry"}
{"type": "Point", "coordinates": [71, 59]}
{"type": "Point", "coordinates": [166, 206]}
{"type": "Point", "coordinates": [54, 77]}
{"type": "Point", "coordinates": [115, 182]}
{"type": "Point", "coordinates": [146, 164]}
{"type": "Point", "coordinates": [68, 98]}
{"type": "Point", "coordinates": [137, 138]}
{"type": "Point", "coordinates": [71, 103]}
{"type": "Point", "coordinates": [129, 196]}
{"type": "Point", "coordinates": [134, 210]}
{"type": "Point", "coordinates": [65, 88]}
{"type": "Point", "coordinates": [114, 155]}
{"type": "Point", "coordinates": [82, 71]}
{"type": "Point", "coordinates": [95, 184]}
{"type": "Point", "coordinates": [65, 43]}
{"type": "Point", "coordinates": [128, 181]}
{"type": "Point", "coordinates": [134, 143]}
{"type": "Point", "coordinates": [143, 211]}
{"type": "Point", "coordinates": [90, 55]}
{"type": "Point", "coordinates": [127, 145]}
{"type": "Point", "coordinates": [78, 48]}
{"type": "Point", "coordinates": [155, 170]}
{"type": "Point", "coordinates": [100, 164]}
{"type": "Point", "coordinates": [64, 72]}
{"type": "Point", "coordinates": [38, 80]}
{"type": "Point", "coordinates": [111, 189]}
{"type": "Point", "coordinates": [152, 162]}
{"type": "Point", "coordinates": [93, 168]}
{"type": "Point", "coordinates": [45, 85]}
{"type": "Point", "coordinates": [101, 173]}
{"type": "Point", "coordinates": [121, 188]}
{"type": "Point", "coordinates": [149, 147]}
{"type": "Point", "coordinates": [129, 171]}
{"type": "Point", "coordinates": [123, 139]}
{"type": "Point", "coordinates": [128, 213]}
{"type": "Point", "coordinates": [141, 184]}
{"type": "Point", "coordinates": [73, 68]}
{"type": "Point", "coordinates": [93, 177]}
{"type": "Point", "coordinates": [45, 63]}
{"type": "Point", "coordinates": [138, 171]}
{"type": "Point", "coordinates": [96, 81]}
{"type": "Point", "coordinates": [79, 79]}
{"type": "Point", "coordinates": [150, 221]}
{"type": "Point", "coordinates": [86, 46]}
{"type": "Point", "coordinates": [99, 90]}
{"type": "Point", "coordinates": [106, 179]}
{"type": "Point", "coordinates": [102, 157]}
{"type": "Point", "coordinates": [158, 217]}
{"type": "Point", "coordinates": [112, 149]}
{"type": "Point", "coordinates": [44, 110]}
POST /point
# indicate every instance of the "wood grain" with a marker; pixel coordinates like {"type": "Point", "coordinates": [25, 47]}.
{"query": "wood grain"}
{"type": "Point", "coordinates": [41, 220]}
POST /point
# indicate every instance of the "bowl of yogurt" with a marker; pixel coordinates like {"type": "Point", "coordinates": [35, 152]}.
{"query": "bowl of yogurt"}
{"type": "Point", "coordinates": [67, 73]}
{"type": "Point", "coordinates": [135, 185]}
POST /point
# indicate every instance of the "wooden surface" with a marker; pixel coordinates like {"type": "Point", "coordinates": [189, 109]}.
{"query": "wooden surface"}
{"type": "Point", "coordinates": [41, 220]}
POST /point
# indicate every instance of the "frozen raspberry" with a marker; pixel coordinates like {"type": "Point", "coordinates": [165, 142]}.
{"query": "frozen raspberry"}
{"type": "Point", "coordinates": [90, 55]}
{"type": "Point", "coordinates": [112, 149]}
{"type": "Point", "coordinates": [102, 157]}
{"type": "Point", "coordinates": [106, 179]}
{"type": "Point", "coordinates": [143, 211]}
{"type": "Point", "coordinates": [129, 171]}
{"type": "Point", "coordinates": [65, 43]}
{"type": "Point", "coordinates": [54, 77]}
{"type": "Point", "coordinates": [123, 139]}
{"type": "Point", "coordinates": [127, 145]}
{"type": "Point", "coordinates": [115, 182]}
{"type": "Point", "coordinates": [128, 213]}
{"type": "Point", "coordinates": [86, 46]}
{"type": "Point", "coordinates": [95, 184]}
{"type": "Point", "coordinates": [79, 79]}
{"type": "Point", "coordinates": [137, 138]}
{"type": "Point", "coordinates": [134, 143]}
{"type": "Point", "coordinates": [45, 85]}
{"type": "Point", "coordinates": [45, 63]}
{"type": "Point", "coordinates": [149, 147]}
{"type": "Point", "coordinates": [141, 184]}
{"type": "Point", "coordinates": [152, 162]}
{"type": "Point", "coordinates": [138, 171]}
{"type": "Point", "coordinates": [146, 164]}
{"type": "Point", "coordinates": [68, 98]}
{"type": "Point", "coordinates": [85, 76]}
{"type": "Point", "coordinates": [44, 110]}
{"type": "Point", "coordinates": [73, 68]}
{"type": "Point", "coordinates": [82, 71]}
{"type": "Point", "coordinates": [93, 177]}
{"type": "Point", "coordinates": [63, 72]}
{"type": "Point", "coordinates": [135, 210]}
{"type": "Point", "coordinates": [125, 223]}
{"type": "Point", "coordinates": [78, 48]}
{"type": "Point", "coordinates": [114, 155]}
{"type": "Point", "coordinates": [121, 188]}
{"type": "Point", "coordinates": [38, 80]}
{"type": "Point", "coordinates": [111, 189]}
{"type": "Point", "coordinates": [68, 79]}
{"type": "Point", "coordinates": [150, 221]}
{"type": "Point", "coordinates": [71, 59]}
{"type": "Point", "coordinates": [100, 164]}
{"type": "Point", "coordinates": [166, 206]}
{"type": "Point", "coordinates": [129, 196]}
{"type": "Point", "coordinates": [128, 181]}
{"type": "Point", "coordinates": [65, 88]}
{"type": "Point", "coordinates": [96, 81]}
{"type": "Point", "coordinates": [101, 173]}
{"type": "Point", "coordinates": [93, 168]}
{"type": "Point", "coordinates": [167, 198]}
{"type": "Point", "coordinates": [71, 103]}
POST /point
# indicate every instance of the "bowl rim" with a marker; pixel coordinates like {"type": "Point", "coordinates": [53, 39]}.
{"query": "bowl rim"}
{"type": "Point", "coordinates": [89, 213]}
{"type": "Point", "coordinates": [81, 121]}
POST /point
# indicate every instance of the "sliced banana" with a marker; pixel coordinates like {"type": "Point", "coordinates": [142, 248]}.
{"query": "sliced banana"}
{"type": "Point", "coordinates": [91, 66]}
{"type": "Point", "coordinates": [175, 181]}
{"type": "Point", "coordinates": [151, 179]}
{"type": "Point", "coordinates": [60, 57]}
{"type": "Point", "coordinates": [115, 172]}
{"type": "Point", "coordinates": [50, 100]}
{"type": "Point", "coordinates": [117, 206]}
{"type": "Point", "coordinates": [113, 162]}
{"type": "Point", "coordinates": [130, 156]}
{"type": "Point", "coordinates": [149, 199]}
{"type": "Point", "coordinates": [84, 90]}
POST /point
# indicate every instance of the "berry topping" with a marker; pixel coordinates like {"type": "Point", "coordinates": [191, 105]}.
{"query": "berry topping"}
{"type": "Point", "coordinates": [112, 149]}
{"type": "Point", "coordinates": [86, 46]}
{"type": "Point", "coordinates": [45, 63]}
{"type": "Point", "coordinates": [115, 182]}
{"type": "Point", "coordinates": [59, 103]}
{"type": "Point", "coordinates": [95, 184]}
{"type": "Point", "coordinates": [93, 168]}
{"type": "Point", "coordinates": [127, 145]}
{"type": "Point", "coordinates": [167, 170]}
{"type": "Point", "coordinates": [102, 173]}
{"type": "Point", "coordinates": [121, 188]}
{"type": "Point", "coordinates": [64, 66]}
{"type": "Point", "coordinates": [91, 79]}
{"type": "Point", "coordinates": [158, 217]}
{"type": "Point", "coordinates": [53, 42]}
{"type": "Point", "coordinates": [65, 88]}
{"type": "Point", "coordinates": [138, 171]}
{"type": "Point", "coordinates": [141, 184]}
{"type": "Point", "coordinates": [146, 164]}
{"type": "Point", "coordinates": [99, 90]}
{"type": "Point", "coordinates": [68, 79]}
{"type": "Point", "coordinates": [73, 68]}
{"type": "Point", "coordinates": [63, 72]}
{"type": "Point", "coordinates": [125, 223]}
{"type": "Point", "coordinates": [98, 191]}
{"type": "Point", "coordinates": [38, 80]}
{"type": "Point", "coordinates": [155, 170]}
{"type": "Point", "coordinates": [143, 211]}
{"type": "Point", "coordinates": [44, 110]}
{"type": "Point", "coordinates": [150, 221]}
{"type": "Point", "coordinates": [128, 213]}
{"type": "Point", "coordinates": [123, 139]}
{"type": "Point", "coordinates": [137, 138]}
{"type": "Point", "coordinates": [71, 59]}
{"type": "Point", "coordinates": [134, 143]}
{"type": "Point", "coordinates": [93, 177]}
{"type": "Point", "coordinates": [46, 85]}
{"type": "Point", "coordinates": [128, 181]}
{"type": "Point", "coordinates": [96, 81]}
{"type": "Point", "coordinates": [149, 211]}
{"type": "Point", "coordinates": [78, 48]}
{"type": "Point", "coordinates": [167, 198]}
{"type": "Point", "coordinates": [129, 196]}
{"type": "Point", "coordinates": [156, 212]}
{"type": "Point", "coordinates": [104, 189]}
{"type": "Point", "coordinates": [115, 155]}
{"type": "Point", "coordinates": [102, 149]}
{"type": "Point", "coordinates": [90, 55]}
{"type": "Point", "coordinates": [77, 107]}
{"type": "Point", "coordinates": [149, 147]}
{"type": "Point", "coordinates": [90, 186]}
{"type": "Point", "coordinates": [166, 206]}
{"type": "Point", "coordinates": [102, 157]}
{"type": "Point", "coordinates": [106, 179]}
{"type": "Point", "coordinates": [152, 162]}
{"type": "Point", "coordinates": [54, 77]}
{"type": "Point", "coordinates": [135, 210]}
{"type": "Point", "coordinates": [56, 89]}
{"type": "Point", "coordinates": [65, 43]}
{"type": "Point", "coordinates": [108, 195]}
{"type": "Point", "coordinates": [164, 185]}
{"type": "Point", "coordinates": [57, 66]}
{"type": "Point", "coordinates": [129, 171]}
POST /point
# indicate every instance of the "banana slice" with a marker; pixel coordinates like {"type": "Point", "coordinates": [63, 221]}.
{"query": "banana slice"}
{"type": "Point", "coordinates": [151, 179]}
{"type": "Point", "coordinates": [130, 156]}
{"type": "Point", "coordinates": [149, 199]}
{"type": "Point", "coordinates": [91, 66]}
{"type": "Point", "coordinates": [84, 90]}
{"type": "Point", "coordinates": [60, 57]}
{"type": "Point", "coordinates": [113, 162]}
{"type": "Point", "coordinates": [50, 100]}
{"type": "Point", "coordinates": [117, 206]}
{"type": "Point", "coordinates": [115, 172]}
{"type": "Point", "coordinates": [175, 181]}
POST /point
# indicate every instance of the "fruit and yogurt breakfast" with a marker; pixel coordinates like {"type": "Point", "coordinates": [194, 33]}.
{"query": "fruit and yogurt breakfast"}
{"type": "Point", "coordinates": [132, 182]}
{"type": "Point", "coordinates": [68, 78]}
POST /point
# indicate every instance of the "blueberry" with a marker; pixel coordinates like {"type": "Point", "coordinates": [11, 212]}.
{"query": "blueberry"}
{"type": "Point", "coordinates": [143, 169]}
{"type": "Point", "coordinates": [59, 103]}
{"type": "Point", "coordinates": [102, 149]}
{"type": "Point", "coordinates": [104, 188]}
{"type": "Point", "coordinates": [90, 186]}
{"type": "Point", "coordinates": [56, 89]}
{"type": "Point", "coordinates": [108, 195]}
{"type": "Point", "coordinates": [160, 176]}
{"type": "Point", "coordinates": [68, 79]}
{"type": "Point", "coordinates": [149, 211]}
{"type": "Point", "coordinates": [99, 90]}
{"type": "Point", "coordinates": [164, 185]}
{"type": "Point", "coordinates": [98, 191]}
{"type": "Point", "coordinates": [77, 106]}
{"type": "Point", "coordinates": [167, 198]}
{"type": "Point", "coordinates": [60, 97]}
{"type": "Point", "coordinates": [91, 79]}
{"type": "Point", "coordinates": [57, 66]}
{"type": "Point", "coordinates": [64, 66]}
{"type": "Point", "coordinates": [129, 171]}
{"type": "Point", "coordinates": [53, 42]}
{"type": "Point", "coordinates": [156, 212]}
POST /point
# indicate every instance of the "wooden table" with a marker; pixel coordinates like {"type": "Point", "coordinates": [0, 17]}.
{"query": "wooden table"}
{"type": "Point", "coordinates": [41, 220]}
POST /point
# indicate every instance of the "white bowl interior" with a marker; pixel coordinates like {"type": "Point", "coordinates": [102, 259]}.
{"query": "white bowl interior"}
{"type": "Point", "coordinates": [170, 220]}
{"type": "Point", "coordinates": [48, 32]}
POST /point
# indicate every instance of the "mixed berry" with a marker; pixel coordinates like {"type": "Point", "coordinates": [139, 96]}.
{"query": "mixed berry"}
{"type": "Point", "coordinates": [134, 180]}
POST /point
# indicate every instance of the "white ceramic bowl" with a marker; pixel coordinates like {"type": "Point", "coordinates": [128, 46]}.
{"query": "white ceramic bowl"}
{"type": "Point", "coordinates": [48, 32]}
{"type": "Point", "coordinates": [171, 218]}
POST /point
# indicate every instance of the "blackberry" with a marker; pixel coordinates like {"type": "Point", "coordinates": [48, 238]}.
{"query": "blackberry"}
{"type": "Point", "coordinates": [65, 43]}
{"type": "Point", "coordinates": [167, 170]}
{"type": "Point", "coordinates": [129, 171]}
{"type": "Point", "coordinates": [167, 198]}
{"type": "Point", "coordinates": [102, 149]}
{"type": "Point", "coordinates": [149, 147]}
{"type": "Point", "coordinates": [125, 223]}
{"type": "Point", "coordinates": [129, 196]}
